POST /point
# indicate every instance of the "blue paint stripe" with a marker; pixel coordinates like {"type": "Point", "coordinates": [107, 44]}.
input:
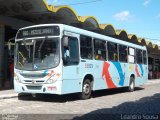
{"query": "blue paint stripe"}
{"type": "Point", "coordinates": [45, 72]}
{"type": "Point", "coordinates": [120, 72]}
{"type": "Point", "coordinates": [140, 65]}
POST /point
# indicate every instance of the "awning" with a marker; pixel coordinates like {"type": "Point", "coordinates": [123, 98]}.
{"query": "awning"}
{"type": "Point", "coordinates": [21, 7]}
{"type": "Point", "coordinates": [30, 12]}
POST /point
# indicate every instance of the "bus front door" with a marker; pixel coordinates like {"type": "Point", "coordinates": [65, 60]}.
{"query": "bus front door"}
{"type": "Point", "coordinates": [70, 54]}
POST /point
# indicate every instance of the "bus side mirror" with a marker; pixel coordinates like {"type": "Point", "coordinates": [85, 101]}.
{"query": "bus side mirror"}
{"type": "Point", "coordinates": [65, 41]}
{"type": "Point", "coordinates": [66, 52]}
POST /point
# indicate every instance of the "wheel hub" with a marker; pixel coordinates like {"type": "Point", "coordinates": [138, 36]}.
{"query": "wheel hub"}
{"type": "Point", "coordinates": [132, 85]}
{"type": "Point", "coordinates": [86, 89]}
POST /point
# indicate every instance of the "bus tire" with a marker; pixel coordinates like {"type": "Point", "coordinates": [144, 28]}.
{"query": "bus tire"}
{"type": "Point", "coordinates": [131, 84]}
{"type": "Point", "coordinates": [86, 90]}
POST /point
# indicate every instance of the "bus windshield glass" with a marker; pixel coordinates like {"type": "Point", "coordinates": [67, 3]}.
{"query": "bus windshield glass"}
{"type": "Point", "coordinates": [37, 54]}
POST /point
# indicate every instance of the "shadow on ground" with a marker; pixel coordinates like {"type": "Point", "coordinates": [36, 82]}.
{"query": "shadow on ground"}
{"type": "Point", "coordinates": [145, 108]}
{"type": "Point", "coordinates": [71, 97]}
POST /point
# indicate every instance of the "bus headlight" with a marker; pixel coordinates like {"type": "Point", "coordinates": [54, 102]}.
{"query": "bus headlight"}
{"type": "Point", "coordinates": [52, 79]}
{"type": "Point", "coordinates": [17, 79]}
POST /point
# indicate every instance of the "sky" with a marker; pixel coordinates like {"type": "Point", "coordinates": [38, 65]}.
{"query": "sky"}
{"type": "Point", "coordinates": [139, 17]}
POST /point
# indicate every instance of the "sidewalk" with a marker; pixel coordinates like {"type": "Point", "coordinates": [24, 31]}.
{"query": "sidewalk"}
{"type": "Point", "coordinates": [154, 81]}
{"type": "Point", "coordinates": [6, 94]}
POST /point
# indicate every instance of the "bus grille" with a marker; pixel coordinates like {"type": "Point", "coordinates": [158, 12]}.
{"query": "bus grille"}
{"type": "Point", "coordinates": [34, 87]}
{"type": "Point", "coordinates": [36, 81]}
{"type": "Point", "coordinates": [34, 76]}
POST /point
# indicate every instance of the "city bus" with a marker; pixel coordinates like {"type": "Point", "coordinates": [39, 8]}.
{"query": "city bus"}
{"type": "Point", "coordinates": [61, 59]}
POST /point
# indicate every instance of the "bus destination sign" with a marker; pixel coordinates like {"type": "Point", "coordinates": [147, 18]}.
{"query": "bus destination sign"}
{"type": "Point", "coordinates": [38, 32]}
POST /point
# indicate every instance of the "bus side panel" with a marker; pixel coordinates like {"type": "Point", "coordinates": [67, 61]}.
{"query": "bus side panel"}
{"type": "Point", "coordinates": [141, 74]}
{"type": "Point", "coordinates": [71, 80]}
{"type": "Point", "coordinates": [120, 73]}
{"type": "Point", "coordinates": [99, 82]}
{"type": "Point", "coordinates": [109, 75]}
{"type": "Point", "coordinates": [106, 75]}
{"type": "Point", "coordinates": [132, 70]}
{"type": "Point", "coordinates": [145, 68]}
{"type": "Point", "coordinates": [127, 73]}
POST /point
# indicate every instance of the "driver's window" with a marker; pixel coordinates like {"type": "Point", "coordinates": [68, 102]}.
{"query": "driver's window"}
{"type": "Point", "coordinates": [70, 50]}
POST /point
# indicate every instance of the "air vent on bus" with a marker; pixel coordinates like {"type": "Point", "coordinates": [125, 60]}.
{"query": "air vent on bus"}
{"type": "Point", "coordinates": [35, 75]}
{"type": "Point", "coordinates": [34, 87]}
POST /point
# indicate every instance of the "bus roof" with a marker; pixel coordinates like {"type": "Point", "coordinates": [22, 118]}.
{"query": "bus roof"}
{"type": "Point", "coordinates": [90, 34]}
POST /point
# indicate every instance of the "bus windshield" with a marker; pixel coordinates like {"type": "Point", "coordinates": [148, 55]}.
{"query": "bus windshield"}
{"type": "Point", "coordinates": [37, 54]}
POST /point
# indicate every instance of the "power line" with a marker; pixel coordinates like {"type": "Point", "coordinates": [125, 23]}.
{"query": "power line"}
{"type": "Point", "coordinates": [93, 1]}
{"type": "Point", "coordinates": [152, 39]}
{"type": "Point", "coordinates": [155, 39]}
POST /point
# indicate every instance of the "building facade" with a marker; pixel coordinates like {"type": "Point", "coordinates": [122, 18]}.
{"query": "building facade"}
{"type": "Point", "coordinates": [20, 13]}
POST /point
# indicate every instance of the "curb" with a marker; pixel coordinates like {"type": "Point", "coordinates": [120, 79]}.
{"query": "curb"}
{"type": "Point", "coordinates": [15, 95]}
{"type": "Point", "coordinates": [152, 82]}
{"type": "Point", "coordinates": [8, 96]}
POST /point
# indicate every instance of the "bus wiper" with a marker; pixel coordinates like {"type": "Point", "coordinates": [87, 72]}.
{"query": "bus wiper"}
{"type": "Point", "coordinates": [25, 45]}
{"type": "Point", "coordinates": [27, 48]}
{"type": "Point", "coordinates": [40, 47]}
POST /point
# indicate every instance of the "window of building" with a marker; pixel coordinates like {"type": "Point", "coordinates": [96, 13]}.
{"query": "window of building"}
{"type": "Point", "coordinates": [139, 56]}
{"type": "Point", "coordinates": [100, 49]}
{"type": "Point", "coordinates": [144, 57]}
{"type": "Point", "coordinates": [131, 55]}
{"type": "Point", "coordinates": [123, 51]}
{"type": "Point", "coordinates": [112, 51]}
{"type": "Point", "coordinates": [86, 47]}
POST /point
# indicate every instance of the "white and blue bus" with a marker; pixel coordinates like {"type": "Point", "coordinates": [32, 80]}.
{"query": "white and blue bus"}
{"type": "Point", "coordinates": [60, 59]}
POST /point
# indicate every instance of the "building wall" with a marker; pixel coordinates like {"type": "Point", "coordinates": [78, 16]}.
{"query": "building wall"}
{"type": "Point", "coordinates": [2, 35]}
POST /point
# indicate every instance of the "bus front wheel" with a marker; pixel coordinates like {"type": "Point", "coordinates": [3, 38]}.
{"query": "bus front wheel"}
{"type": "Point", "coordinates": [131, 85]}
{"type": "Point", "coordinates": [86, 90]}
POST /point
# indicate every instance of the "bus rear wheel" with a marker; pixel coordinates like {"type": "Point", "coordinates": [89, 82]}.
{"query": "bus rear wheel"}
{"type": "Point", "coordinates": [86, 90]}
{"type": "Point", "coordinates": [131, 84]}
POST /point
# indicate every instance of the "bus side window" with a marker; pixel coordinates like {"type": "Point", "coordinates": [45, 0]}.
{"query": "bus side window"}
{"type": "Point", "coordinates": [144, 57]}
{"type": "Point", "coordinates": [139, 56]}
{"type": "Point", "coordinates": [112, 51]}
{"type": "Point", "coordinates": [100, 49]}
{"type": "Point", "coordinates": [123, 51]}
{"type": "Point", "coordinates": [131, 55]}
{"type": "Point", "coordinates": [86, 47]}
{"type": "Point", "coordinates": [70, 51]}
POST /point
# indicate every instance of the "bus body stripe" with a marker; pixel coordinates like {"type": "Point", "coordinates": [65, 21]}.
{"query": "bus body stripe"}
{"type": "Point", "coordinates": [120, 72]}
{"type": "Point", "coordinates": [45, 72]}
{"type": "Point", "coordinates": [140, 65]}
{"type": "Point", "coordinates": [107, 75]}
{"type": "Point", "coordinates": [137, 72]}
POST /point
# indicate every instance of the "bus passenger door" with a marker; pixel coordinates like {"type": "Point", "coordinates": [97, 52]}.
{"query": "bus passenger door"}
{"type": "Point", "coordinates": [122, 67]}
{"type": "Point", "coordinates": [70, 55]}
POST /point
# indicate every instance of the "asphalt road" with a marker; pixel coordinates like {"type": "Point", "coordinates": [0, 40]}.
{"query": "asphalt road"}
{"type": "Point", "coordinates": [144, 103]}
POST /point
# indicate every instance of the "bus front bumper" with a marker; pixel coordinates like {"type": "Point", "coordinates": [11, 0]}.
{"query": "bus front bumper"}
{"type": "Point", "coordinates": [54, 88]}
